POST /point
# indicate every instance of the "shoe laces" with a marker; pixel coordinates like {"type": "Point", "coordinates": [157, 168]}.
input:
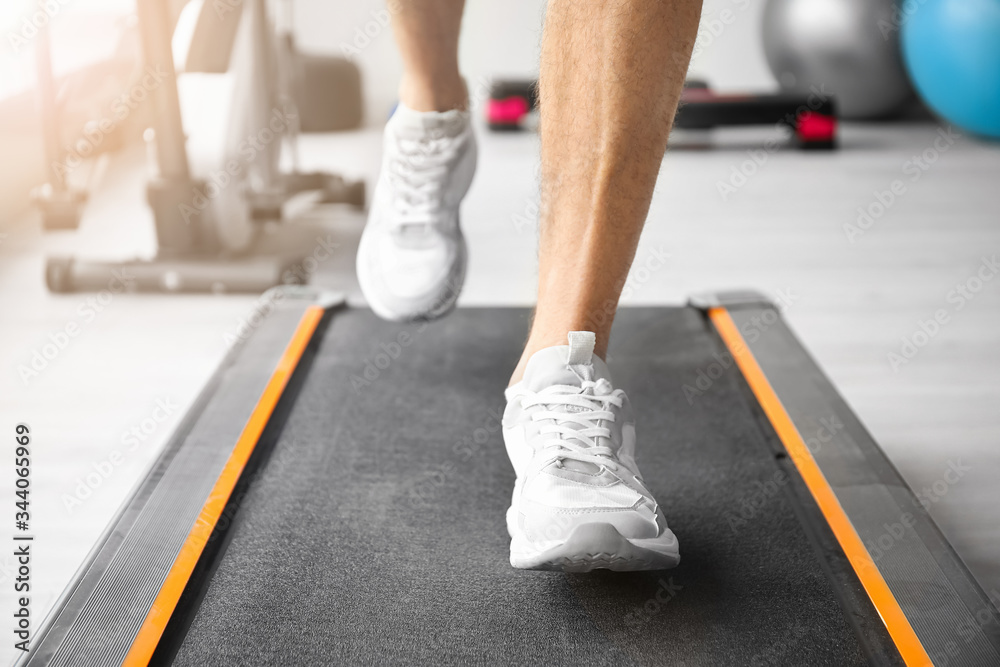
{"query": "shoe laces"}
{"type": "Point", "coordinates": [572, 417]}
{"type": "Point", "coordinates": [417, 173]}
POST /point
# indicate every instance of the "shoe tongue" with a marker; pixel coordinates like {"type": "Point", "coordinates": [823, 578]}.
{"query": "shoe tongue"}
{"type": "Point", "coordinates": [567, 365]}
{"type": "Point", "coordinates": [414, 124]}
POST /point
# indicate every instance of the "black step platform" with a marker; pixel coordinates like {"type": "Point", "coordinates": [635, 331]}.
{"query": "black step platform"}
{"type": "Point", "coordinates": [337, 496]}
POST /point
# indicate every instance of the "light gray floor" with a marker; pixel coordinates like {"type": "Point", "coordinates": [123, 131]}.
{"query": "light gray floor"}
{"type": "Point", "coordinates": [781, 232]}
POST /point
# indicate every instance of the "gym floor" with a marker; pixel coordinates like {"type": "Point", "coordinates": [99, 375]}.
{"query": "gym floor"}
{"type": "Point", "coordinates": [109, 398]}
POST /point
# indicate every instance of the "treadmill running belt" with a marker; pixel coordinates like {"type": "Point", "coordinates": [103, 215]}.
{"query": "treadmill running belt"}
{"type": "Point", "coordinates": [375, 532]}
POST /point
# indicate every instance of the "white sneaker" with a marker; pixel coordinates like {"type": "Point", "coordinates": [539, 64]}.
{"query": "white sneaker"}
{"type": "Point", "coordinates": [579, 501]}
{"type": "Point", "coordinates": [411, 262]}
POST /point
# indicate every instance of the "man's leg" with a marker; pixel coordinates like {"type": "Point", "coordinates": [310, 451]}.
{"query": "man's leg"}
{"type": "Point", "coordinates": [611, 76]}
{"type": "Point", "coordinates": [412, 257]}
{"type": "Point", "coordinates": [427, 33]}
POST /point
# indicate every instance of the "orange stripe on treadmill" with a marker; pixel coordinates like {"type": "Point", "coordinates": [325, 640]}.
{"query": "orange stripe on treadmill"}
{"type": "Point", "coordinates": [166, 600]}
{"type": "Point", "coordinates": [895, 620]}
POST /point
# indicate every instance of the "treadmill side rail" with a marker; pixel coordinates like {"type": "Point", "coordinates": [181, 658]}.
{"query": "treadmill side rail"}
{"type": "Point", "coordinates": [932, 606]}
{"type": "Point", "coordinates": [121, 585]}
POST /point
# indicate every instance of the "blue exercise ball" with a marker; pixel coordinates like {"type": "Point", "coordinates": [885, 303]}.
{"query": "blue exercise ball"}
{"type": "Point", "coordinates": [952, 51]}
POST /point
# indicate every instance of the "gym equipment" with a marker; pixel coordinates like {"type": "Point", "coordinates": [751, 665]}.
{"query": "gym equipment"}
{"type": "Point", "coordinates": [848, 48]}
{"type": "Point", "coordinates": [337, 494]}
{"type": "Point", "coordinates": [60, 204]}
{"type": "Point", "coordinates": [510, 103]}
{"type": "Point", "coordinates": [216, 142]}
{"type": "Point", "coordinates": [326, 90]}
{"type": "Point", "coordinates": [80, 117]}
{"type": "Point", "coordinates": [952, 52]}
{"type": "Point", "coordinates": [812, 119]}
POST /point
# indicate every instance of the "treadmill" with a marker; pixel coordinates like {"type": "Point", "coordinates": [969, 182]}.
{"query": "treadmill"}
{"type": "Point", "coordinates": [336, 496]}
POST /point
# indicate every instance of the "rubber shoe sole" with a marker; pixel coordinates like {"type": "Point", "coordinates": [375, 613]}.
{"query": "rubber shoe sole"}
{"type": "Point", "coordinates": [444, 304]}
{"type": "Point", "coordinates": [593, 546]}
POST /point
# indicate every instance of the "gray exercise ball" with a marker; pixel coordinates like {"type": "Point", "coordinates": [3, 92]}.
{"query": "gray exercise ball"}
{"type": "Point", "coordinates": [849, 48]}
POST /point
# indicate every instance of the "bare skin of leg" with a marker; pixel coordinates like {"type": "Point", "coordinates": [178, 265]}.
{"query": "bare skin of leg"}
{"type": "Point", "coordinates": [426, 33]}
{"type": "Point", "coordinates": [611, 78]}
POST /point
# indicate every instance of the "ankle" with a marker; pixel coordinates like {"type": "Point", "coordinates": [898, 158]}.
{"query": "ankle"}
{"type": "Point", "coordinates": [440, 94]}
{"type": "Point", "coordinates": [541, 340]}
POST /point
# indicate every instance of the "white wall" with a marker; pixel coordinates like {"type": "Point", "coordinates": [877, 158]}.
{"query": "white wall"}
{"type": "Point", "coordinates": [502, 38]}
{"type": "Point", "coordinates": [729, 52]}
